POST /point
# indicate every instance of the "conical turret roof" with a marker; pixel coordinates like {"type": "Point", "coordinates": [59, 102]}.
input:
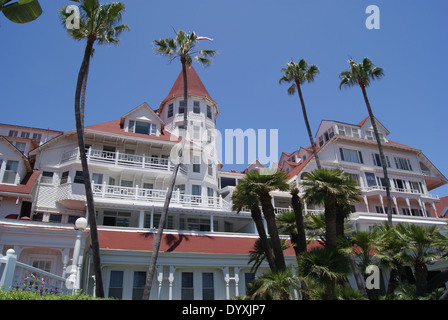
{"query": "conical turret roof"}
{"type": "Point", "coordinates": [195, 86]}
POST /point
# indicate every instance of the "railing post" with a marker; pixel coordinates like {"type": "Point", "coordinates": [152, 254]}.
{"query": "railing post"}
{"type": "Point", "coordinates": [143, 161]}
{"type": "Point", "coordinates": [117, 156]}
{"type": "Point", "coordinates": [8, 272]}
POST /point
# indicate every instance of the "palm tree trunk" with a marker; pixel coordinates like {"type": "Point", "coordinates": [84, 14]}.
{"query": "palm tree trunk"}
{"type": "Point", "coordinates": [158, 239]}
{"type": "Point", "coordinates": [268, 211]}
{"type": "Point", "coordinates": [79, 116]}
{"type": "Point", "coordinates": [307, 124]}
{"type": "Point", "coordinates": [380, 149]}
{"type": "Point", "coordinates": [421, 278]}
{"type": "Point", "coordinates": [297, 208]}
{"type": "Point", "coordinates": [330, 223]}
{"type": "Point", "coordinates": [256, 216]}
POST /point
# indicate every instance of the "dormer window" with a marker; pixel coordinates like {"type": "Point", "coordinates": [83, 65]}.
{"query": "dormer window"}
{"type": "Point", "coordinates": [209, 112]}
{"type": "Point", "coordinates": [181, 107]}
{"type": "Point", "coordinates": [371, 136]}
{"type": "Point", "coordinates": [170, 110]}
{"type": "Point", "coordinates": [348, 131]}
{"type": "Point", "coordinates": [142, 127]}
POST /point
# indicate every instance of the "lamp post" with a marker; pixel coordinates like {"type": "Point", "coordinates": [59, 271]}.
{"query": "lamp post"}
{"type": "Point", "coordinates": [72, 280]}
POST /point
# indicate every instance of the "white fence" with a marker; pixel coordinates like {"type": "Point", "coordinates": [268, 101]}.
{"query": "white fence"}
{"type": "Point", "coordinates": [18, 275]}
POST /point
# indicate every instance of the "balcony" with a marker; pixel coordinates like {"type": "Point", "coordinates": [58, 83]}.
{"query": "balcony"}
{"type": "Point", "coordinates": [124, 160]}
{"type": "Point", "coordinates": [400, 190]}
{"type": "Point", "coordinates": [158, 196]}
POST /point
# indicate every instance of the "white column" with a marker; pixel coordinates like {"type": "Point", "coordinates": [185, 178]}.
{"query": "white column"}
{"type": "Point", "coordinates": [435, 210]}
{"type": "Point", "coordinates": [395, 203]}
{"type": "Point", "coordinates": [409, 205]}
{"type": "Point", "coordinates": [171, 280]}
{"type": "Point", "coordinates": [227, 280]}
{"type": "Point", "coordinates": [160, 280]}
{"type": "Point", "coordinates": [366, 203]}
{"type": "Point", "coordinates": [141, 219]}
{"type": "Point", "coordinates": [151, 225]}
{"type": "Point", "coordinates": [237, 281]}
{"type": "Point", "coordinates": [382, 203]}
{"type": "Point", "coordinates": [211, 223]}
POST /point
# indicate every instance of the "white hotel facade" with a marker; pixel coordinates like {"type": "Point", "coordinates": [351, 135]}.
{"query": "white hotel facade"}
{"type": "Point", "coordinates": [204, 251]}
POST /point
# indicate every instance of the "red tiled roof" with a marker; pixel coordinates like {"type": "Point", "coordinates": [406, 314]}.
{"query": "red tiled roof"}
{"type": "Point", "coordinates": [115, 128]}
{"type": "Point", "coordinates": [25, 187]}
{"type": "Point", "coordinates": [195, 87]}
{"type": "Point", "coordinates": [440, 206]}
{"type": "Point", "coordinates": [144, 241]}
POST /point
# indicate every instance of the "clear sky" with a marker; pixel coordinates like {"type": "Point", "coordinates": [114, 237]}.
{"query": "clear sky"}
{"type": "Point", "coordinates": [255, 38]}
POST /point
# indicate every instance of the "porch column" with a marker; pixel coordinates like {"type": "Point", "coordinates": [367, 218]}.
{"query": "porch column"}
{"type": "Point", "coordinates": [382, 203]}
{"type": "Point", "coordinates": [237, 281]}
{"type": "Point", "coordinates": [435, 210]}
{"type": "Point", "coordinates": [409, 205]}
{"type": "Point", "coordinates": [211, 224]}
{"type": "Point", "coordinates": [141, 219]}
{"type": "Point", "coordinates": [151, 225]}
{"type": "Point", "coordinates": [366, 203]}
{"type": "Point", "coordinates": [171, 280]}
{"type": "Point", "coordinates": [160, 280]}
{"type": "Point", "coordinates": [227, 280]}
{"type": "Point", "coordinates": [395, 203]}
{"type": "Point", "coordinates": [422, 206]}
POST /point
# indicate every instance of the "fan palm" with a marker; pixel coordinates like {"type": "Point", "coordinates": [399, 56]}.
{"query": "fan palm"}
{"type": "Point", "coordinates": [362, 74]}
{"type": "Point", "coordinates": [330, 187]}
{"type": "Point", "coordinates": [298, 74]}
{"type": "Point", "coordinates": [421, 245]}
{"type": "Point", "coordinates": [275, 285]}
{"type": "Point", "coordinates": [99, 23]}
{"type": "Point", "coordinates": [262, 183]}
{"type": "Point", "coordinates": [21, 11]}
{"type": "Point", "coordinates": [242, 197]}
{"type": "Point", "coordinates": [325, 266]}
{"type": "Point", "coordinates": [182, 47]}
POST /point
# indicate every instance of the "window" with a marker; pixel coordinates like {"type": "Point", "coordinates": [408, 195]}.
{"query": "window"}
{"type": "Point", "coordinates": [208, 290]}
{"type": "Point", "coordinates": [47, 177]}
{"type": "Point", "coordinates": [42, 264]}
{"type": "Point", "coordinates": [370, 178]}
{"type": "Point", "coordinates": [379, 209]}
{"type": "Point", "coordinates": [116, 284]}
{"type": "Point", "coordinates": [227, 182]}
{"type": "Point", "coordinates": [348, 131]}
{"type": "Point", "coordinates": [97, 178]}
{"type": "Point", "coordinates": [56, 218]}
{"type": "Point", "coordinates": [370, 135]}
{"type": "Point", "coordinates": [197, 164]}
{"type": "Point", "coordinates": [196, 132]}
{"type": "Point", "coordinates": [21, 146]}
{"type": "Point", "coordinates": [403, 164]}
{"type": "Point", "coordinates": [78, 177]}
{"type": "Point", "coordinates": [406, 212]}
{"type": "Point", "coordinates": [37, 137]}
{"type": "Point", "coordinates": [180, 188]}
{"type": "Point", "coordinates": [210, 167]}
{"type": "Point", "coordinates": [181, 107]}
{"type": "Point", "coordinates": [64, 177]}
{"type": "Point", "coordinates": [416, 187]}
{"type": "Point", "coordinates": [170, 110]}
{"type": "Point", "coordinates": [377, 160]}
{"type": "Point", "coordinates": [400, 184]}
{"type": "Point", "coordinates": [187, 292]}
{"type": "Point", "coordinates": [196, 107]}
{"type": "Point", "coordinates": [351, 155]}
{"type": "Point", "coordinates": [13, 133]}
{"type": "Point", "coordinates": [198, 224]}
{"type": "Point", "coordinates": [354, 177]}
{"type": "Point", "coordinates": [143, 127]}
{"type": "Point", "coordinates": [10, 173]}
{"type": "Point", "coordinates": [139, 285]}
{"type": "Point", "coordinates": [119, 219]}
{"type": "Point", "coordinates": [417, 212]}
{"type": "Point", "coordinates": [209, 112]}
{"type": "Point", "coordinates": [25, 135]}
{"type": "Point", "coordinates": [196, 190]}
{"type": "Point", "coordinates": [249, 277]}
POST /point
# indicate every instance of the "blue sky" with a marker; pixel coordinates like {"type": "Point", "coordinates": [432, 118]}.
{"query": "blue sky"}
{"type": "Point", "coordinates": [254, 39]}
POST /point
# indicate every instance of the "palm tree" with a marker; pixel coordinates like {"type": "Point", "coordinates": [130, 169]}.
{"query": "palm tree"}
{"type": "Point", "coordinates": [98, 23]}
{"type": "Point", "coordinates": [298, 73]}
{"type": "Point", "coordinates": [261, 183]}
{"type": "Point", "coordinates": [275, 286]}
{"type": "Point", "coordinates": [325, 266]}
{"type": "Point", "coordinates": [21, 11]}
{"type": "Point", "coordinates": [297, 207]}
{"type": "Point", "coordinates": [362, 74]}
{"type": "Point", "coordinates": [331, 187]}
{"type": "Point", "coordinates": [181, 47]}
{"type": "Point", "coordinates": [242, 197]}
{"type": "Point", "coordinates": [420, 247]}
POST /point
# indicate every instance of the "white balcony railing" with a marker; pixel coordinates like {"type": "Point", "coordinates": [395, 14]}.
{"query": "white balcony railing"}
{"type": "Point", "coordinates": [154, 195]}
{"type": "Point", "coordinates": [124, 160]}
{"type": "Point", "coordinates": [399, 190]}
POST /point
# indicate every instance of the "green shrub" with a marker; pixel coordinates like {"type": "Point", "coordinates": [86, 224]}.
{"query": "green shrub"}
{"type": "Point", "coordinates": [20, 294]}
